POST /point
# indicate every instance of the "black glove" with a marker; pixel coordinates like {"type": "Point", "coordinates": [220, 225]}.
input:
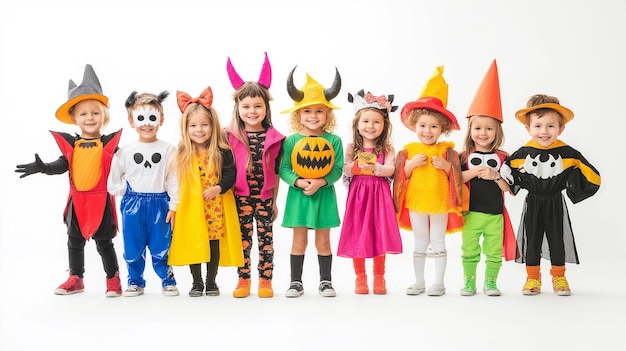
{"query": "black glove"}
{"type": "Point", "coordinates": [57, 167]}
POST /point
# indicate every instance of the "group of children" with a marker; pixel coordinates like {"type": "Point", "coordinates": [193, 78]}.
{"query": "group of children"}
{"type": "Point", "coordinates": [198, 203]}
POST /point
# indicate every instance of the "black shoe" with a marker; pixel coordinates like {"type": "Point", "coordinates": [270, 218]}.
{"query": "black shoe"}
{"type": "Point", "coordinates": [212, 289]}
{"type": "Point", "coordinates": [295, 289]}
{"type": "Point", "coordinates": [196, 290]}
{"type": "Point", "coordinates": [326, 289]}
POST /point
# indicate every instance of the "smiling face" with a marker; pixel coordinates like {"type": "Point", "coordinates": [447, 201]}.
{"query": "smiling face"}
{"type": "Point", "coordinates": [89, 116]}
{"type": "Point", "coordinates": [252, 111]}
{"type": "Point", "coordinates": [545, 129]}
{"type": "Point", "coordinates": [312, 118]}
{"type": "Point", "coordinates": [199, 129]}
{"type": "Point", "coordinates": [371, 125]}
{"type": "Point", "coordinates": [483, 132]}
{"type": "Point", "coordinates": [428, 129]}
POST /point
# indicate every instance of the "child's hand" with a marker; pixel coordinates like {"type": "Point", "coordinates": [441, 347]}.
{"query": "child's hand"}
{"type": "Point", "coordinates": [31, 168]}
{"type": "Point", "coordinates": [418, 160]}
{"type": "Point", "coordinates": [211, 192]}
{"type": "Point", "coordinates": [486, 173]}
{"type": "Point", "coordinates": [441, 163]}
{"type": "Point", "coordinates": [171, 215]}
{"type": "Point", "coordinates": [314, 184]}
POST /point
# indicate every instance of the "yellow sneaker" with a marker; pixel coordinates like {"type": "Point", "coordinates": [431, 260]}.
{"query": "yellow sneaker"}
{"type": "Point", "coordinates": [265, 288]}
{"type": "Point", "coordinates": [560, 286]}
{"type": "Point", "coordinates": [243, 288]}
{"type": "Point", "coordinates": [532, 287]}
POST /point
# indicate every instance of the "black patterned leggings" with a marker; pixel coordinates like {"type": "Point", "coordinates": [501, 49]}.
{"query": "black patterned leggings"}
{"type": "Point", "coordinates": [251, 207]}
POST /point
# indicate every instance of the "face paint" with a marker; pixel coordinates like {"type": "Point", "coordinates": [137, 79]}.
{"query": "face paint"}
{"type": "Point", "coordinates": [146, 116]}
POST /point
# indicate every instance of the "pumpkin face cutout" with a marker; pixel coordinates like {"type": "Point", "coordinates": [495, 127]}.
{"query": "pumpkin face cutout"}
{"type": "Point", "coordinates": [312, 157]}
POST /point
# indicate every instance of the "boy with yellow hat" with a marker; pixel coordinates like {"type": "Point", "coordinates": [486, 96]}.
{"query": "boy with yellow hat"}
{"type": "Point", "coordinates": [90, 212]}
{"type": "Point", "coordinates": [546, 166]}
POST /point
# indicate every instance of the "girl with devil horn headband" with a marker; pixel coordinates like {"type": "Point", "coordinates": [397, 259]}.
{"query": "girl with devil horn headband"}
{"type": "Point", "coordinates": [312, 163]}
{"type": "Point", "coordinates": [256, 147]}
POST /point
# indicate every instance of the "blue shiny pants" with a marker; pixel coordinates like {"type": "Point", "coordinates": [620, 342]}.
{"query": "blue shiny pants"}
{"type": "Point", "coordinates": [144, 226]}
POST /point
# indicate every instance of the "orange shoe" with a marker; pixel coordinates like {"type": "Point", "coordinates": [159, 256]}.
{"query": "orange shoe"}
{"type": "Point", "coordinates": [361, 284]}
{"type": "Point", "coordinates": [243, 288]}
{"type": "Point", "coordinates": [265, 288]}
{"type": "Point", "coordinates": [380, 287]}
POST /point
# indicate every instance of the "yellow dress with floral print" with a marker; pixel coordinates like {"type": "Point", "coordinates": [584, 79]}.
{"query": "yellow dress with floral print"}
{"type": "Point", "coordinates": [213, 208]}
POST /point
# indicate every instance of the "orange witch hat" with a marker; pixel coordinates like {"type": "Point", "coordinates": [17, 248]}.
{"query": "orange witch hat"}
{"type": "Point", "coordinates": [487, 101]}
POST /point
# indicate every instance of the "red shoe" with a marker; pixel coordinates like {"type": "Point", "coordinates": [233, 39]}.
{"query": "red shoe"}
{"type": "Point", "coordinates": [73, 284]}
{"type": "Point", "coordinates": [114, 286]}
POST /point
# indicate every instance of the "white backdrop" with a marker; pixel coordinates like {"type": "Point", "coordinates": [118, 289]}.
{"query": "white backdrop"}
{"type": "Point", "coordinates": [572, 49]}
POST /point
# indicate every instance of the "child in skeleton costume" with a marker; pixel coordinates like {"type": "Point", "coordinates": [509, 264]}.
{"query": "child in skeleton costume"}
{"type": "Point", "coordinates": [143, 173]}
{"type": "Point", "coordinates": [546, 166]}
{"type": "Point", "coordinates": [427, 182]}
{"type": "Point", "coordinates": [312, 163]}
{"type": "Point", "coordinates": [256, 147]}
{"type": "Point", "coordinates": [487, 217]}
{"type": "Point", "coordinates": [207, 226]}
{"type": "Point", "coordinates": [90, 211]}
{"type": "Point", "coordinates": [370, 228]}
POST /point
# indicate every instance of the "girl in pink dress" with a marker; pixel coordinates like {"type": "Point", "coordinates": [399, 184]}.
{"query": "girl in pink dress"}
{"type": "Point", "coordinates": [370, 228]}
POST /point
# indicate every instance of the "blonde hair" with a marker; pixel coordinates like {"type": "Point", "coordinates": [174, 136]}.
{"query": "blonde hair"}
{"type": "Point", "coordinates": [105, 112]}
{"type": "Point", "coordinates": [213, 145]}
{"type": "Point", "coordinates": [414, 115]}
{"type": "Point", "coordinates": [469, 145]}
{"type": "Point", "coordinates": [237, 127]}
{"type": "Point", "coordinates": [383, 142]}
{"type": "Point", "coordinates": [328, 127]}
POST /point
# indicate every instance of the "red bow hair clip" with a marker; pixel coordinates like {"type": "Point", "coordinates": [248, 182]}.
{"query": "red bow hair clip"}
{"type": "Point", "coordinates": [205, 99]}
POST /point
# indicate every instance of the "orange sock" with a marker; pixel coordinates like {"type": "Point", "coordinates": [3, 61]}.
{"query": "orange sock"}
{"type": "Point", "coordinates": [533, 272]}
{"type": "Point", "coordinates": [558, 271]}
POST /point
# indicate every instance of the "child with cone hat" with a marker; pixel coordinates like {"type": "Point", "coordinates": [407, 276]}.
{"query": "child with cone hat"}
{"type": "Point", "coordinates": [546, 166]}
{"type": "Point", "coordinates": [90, 212]}
{"type": "Point", "coordinates": [427, 182]}
{"type": "Point", "coordinates": [481, 160]}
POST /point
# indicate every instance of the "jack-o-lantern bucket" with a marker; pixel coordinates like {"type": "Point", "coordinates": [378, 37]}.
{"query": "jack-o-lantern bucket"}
{"type": "Point", "coordinates": [312, 157]}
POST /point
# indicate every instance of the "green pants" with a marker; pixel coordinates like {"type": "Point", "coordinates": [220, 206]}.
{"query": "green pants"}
{"type": "Point", "coordinates": [491, 228]}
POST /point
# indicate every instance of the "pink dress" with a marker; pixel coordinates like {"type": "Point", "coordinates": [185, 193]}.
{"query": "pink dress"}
{"type": "Point", "coordinates": [369, 227]}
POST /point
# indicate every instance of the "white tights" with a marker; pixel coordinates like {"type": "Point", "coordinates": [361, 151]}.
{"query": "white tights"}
{"type": "Point", "coordinates": [429, 229]}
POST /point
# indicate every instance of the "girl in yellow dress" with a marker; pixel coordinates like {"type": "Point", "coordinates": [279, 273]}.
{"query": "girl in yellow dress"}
{"type": "Point", "coordinates": [207, 226]}
{"type": "Point", "coordinates": [427, 186]}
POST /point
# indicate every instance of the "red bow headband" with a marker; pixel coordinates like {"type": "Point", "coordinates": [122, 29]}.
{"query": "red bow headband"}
{"type": "Point", "coordinates": [205, 99]}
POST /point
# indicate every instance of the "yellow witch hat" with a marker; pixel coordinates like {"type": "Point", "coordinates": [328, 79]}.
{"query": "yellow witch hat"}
{"type": "Point", "coordinates": [434, 97]}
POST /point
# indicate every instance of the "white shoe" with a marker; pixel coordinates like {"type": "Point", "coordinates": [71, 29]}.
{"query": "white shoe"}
{"type": "Point", "coordinates": [133, 290]}
{"type": "Point", "coordinates": [436, 290]}
{"type": "Point", "coordinates": [416, 289]}
{"type": "Point", "coordinates": [170, 290]}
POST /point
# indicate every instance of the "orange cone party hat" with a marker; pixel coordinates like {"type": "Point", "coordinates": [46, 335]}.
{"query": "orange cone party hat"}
{"type": "Point", "coordinates": [487, 100]}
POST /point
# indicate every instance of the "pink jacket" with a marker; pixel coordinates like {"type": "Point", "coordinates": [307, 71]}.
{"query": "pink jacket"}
{"type": "Point", "coordinates": [273, 141]}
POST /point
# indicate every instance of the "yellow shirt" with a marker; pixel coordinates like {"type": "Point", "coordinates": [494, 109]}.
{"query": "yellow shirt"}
{"type": "Point", "coordinates": [428, 187]}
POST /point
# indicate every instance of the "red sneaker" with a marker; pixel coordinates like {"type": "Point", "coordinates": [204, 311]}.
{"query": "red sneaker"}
{"type": "Point", "coordinates": [114, 286]}
{"type": "Point", "coordinates": [73, 284]}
